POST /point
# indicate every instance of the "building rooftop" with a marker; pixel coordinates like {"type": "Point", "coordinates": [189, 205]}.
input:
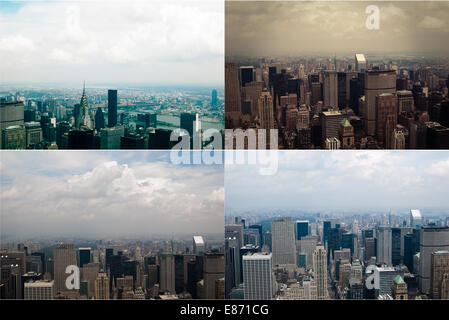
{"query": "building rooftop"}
{"type": "Point", "coordinates": [360, 57]}
{"type": "Point", "coordinates": [198, 239]}
{"type": "Point", "coordinates": [257, 256]}
{"type": "Point", "coordinates": [39, 283]}
{"type": "Point", "coordinates": [345, 123]}
{"type": "Point", "coordinates": [398, 279]}
{"type": "Point", "coordinates": [14, 127]}
{"type": "Point", "coordinates": [441, 252]}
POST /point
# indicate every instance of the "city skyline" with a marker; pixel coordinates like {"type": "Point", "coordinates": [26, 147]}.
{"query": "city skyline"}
{"type": "Point", "coordinates": [108, 193]}
{"type": "Point", "coordinates": [122, 42]}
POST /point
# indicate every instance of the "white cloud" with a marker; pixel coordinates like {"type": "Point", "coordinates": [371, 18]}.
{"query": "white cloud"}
{"type": "Point", "coordinates": [112, 198]}
{"type": "Point", "coordinates": [121, 41]}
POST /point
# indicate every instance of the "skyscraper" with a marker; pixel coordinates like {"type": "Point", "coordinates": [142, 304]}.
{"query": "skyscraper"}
{"type": "Point", "coordinates": [396, 236]}
{"type": "Point", "coordinates": [415, 218]}
{"type": "Point", "coordinates": [386, 118]}
{"type": "Point", "coordinates": [384, 249]}
{"type": "Point", "coordinates": [360, 62]}
{"type": "Point", "coordinates": [188, 122]}
{"type": "Point", "coordinates": [102, 287]}
{"type": "Point", "coordinates": [84, 256]}
{"type": "Point", "coordinates": [432, 239]}
{"type": "Point", "coordinates": [330, 89]}
{"type": "Point", "coordinates": [257, 276]}
{"type": "Point", "coordinates": [39, 290]}
{"type": "Point", "coordinates": [11, 114]}
{"type": "Point", "coordinates": [167, 273]}
{"type": "Point", "coordinates": [99, 119]}
{"type": "Point", "coordinates": [439, 266]}
{"type": "Point", "coordinates": [376, 83]}
{"type": "Point", "coordinates": [213, 271]}
{"type": "Point", "coordinates": [266, 116]}
{"type": "Point", "coordinates": [283, 241]}
{"type": "Point", "coordinates": [246, 75]}
{"type": "Point", "coordinates": [112, 108]}
{"type": "Point", "coordinates": [214, 101]}
{"type": "Point", "coordinates": [233, 103]}
{"type": "Point", "coordinates": [330, 124]}
{"type": "Point", "coordinates": [64, 256]}
{"type": "Point", "coordinates": [320, 272]}
{"type": "Point", "coordinates": [301, 228]}
{"type": "Point", "coordinates": [199, 245]}
{"type": "Point", "coordinates": [82, 117]}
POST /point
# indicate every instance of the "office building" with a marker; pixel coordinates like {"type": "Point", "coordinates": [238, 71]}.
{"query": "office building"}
{"type": "Point", "coordinates": [432, 239]}
{"type": "Point", "coordinates": [439, 268]}
{"type": "Point", "coordinates": [330, 124]}
{"type": "Point", "coordinates": [199, 245]}
{"type": "Point", "coordinates": [376, 83]}
{"type": "Point", "coordinates": [415, 218]}
{"type": "Point", "coordinates": [102, 287]}
{"type": "Point", "coordinates": [330, 89]}
{"type": "Point", "coordinates": [213, 271]}
{"type": "Point", "coordinates": [301, 228]}
{"type": "Point", "coordinates": [257, 276]}
{"type": "Point", "coordinates": [64, 256]}
{"type": "Point", "coordinates": [167, 273]}
{"type": "Point", "coordinates": [112, 108]}
{"type": "Point", "coordinates": [84, 256]}
{"type": "Point", "coordinates": [11, 114]}
{"type": "Point", "coordinates": [384, 249]}
{"type": "Point", "coordinates": [13, 137]}
{"type": "Point", "coordinates": [39, 290]}
{"type": "Point", "coordinates": [360, 62]}
{"type": "Point", "coordinates": [320, 272]}
{"type": "Point", "coordinates": [283, 241]}
{"type": "Point", "coordinates": [386, 117]}
{"type": "Point", "coordinates": [110, 137]}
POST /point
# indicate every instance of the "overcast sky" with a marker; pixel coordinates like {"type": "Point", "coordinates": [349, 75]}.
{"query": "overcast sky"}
{"type": "Point", "coordinates": [107, 193]}
{"type": "Point", "coordinates": [159, 42]}
{"type": "Point", "coordinates": [343, 180]}
{"type": "Point", "coordinates": [295, 27]}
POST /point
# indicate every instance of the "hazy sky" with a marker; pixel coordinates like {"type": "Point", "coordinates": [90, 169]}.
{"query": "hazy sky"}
{"type": "Point", "coordinates": [156, 42]}
{"type": "Point", "coordinates": [314, 180]}
{"type": "Point", "coordinates": [295, 27]}
{"type": "Point", "coordinates": [107, 193]}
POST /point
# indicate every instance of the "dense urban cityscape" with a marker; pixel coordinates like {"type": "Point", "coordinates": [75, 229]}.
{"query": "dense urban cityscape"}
{"type": "Point", "coordinates": [342, 102]}
{"type": "Point", "coordinates": [114, 269]}
{"type": "Point", "coordinates": [343, 75]}
{"type": "Point", "coordinates": [224, 158]}
{"type": "Point", "coordinates": [100, 118]}
{"type": "Point", "coordinates": [339, 225]}
{"type": "Point", "coordinates": [353, 257]}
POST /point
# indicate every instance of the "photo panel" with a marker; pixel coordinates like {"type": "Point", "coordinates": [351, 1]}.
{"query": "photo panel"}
{"type": "Point", "coordinates": [110, 225]}
{"type": "Point", "coordinates": [337, 75]}
{"type": "Point", "coordinates": [337, 225]}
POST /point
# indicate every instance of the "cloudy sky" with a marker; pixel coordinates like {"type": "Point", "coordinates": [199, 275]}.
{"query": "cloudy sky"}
{"type": "Point", "coordinates": [295, 27]}
{"type": "Point", "coordinates": [159, 42]}
{"type": "Point", "coordinates": [346, 180]}
{"type": "Point", "coordinates": [107, 193]}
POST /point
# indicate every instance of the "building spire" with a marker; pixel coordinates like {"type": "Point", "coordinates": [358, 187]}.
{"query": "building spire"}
{"type": "Point", "coordinates": [84, 87]}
